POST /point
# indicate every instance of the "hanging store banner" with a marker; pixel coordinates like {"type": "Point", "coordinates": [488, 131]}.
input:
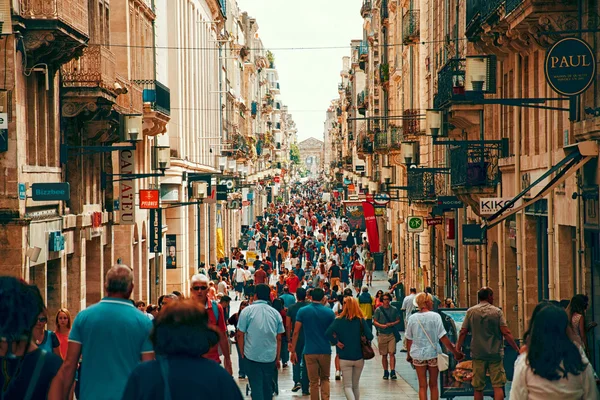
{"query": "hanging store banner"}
{"type": "Point", "coordinates": [172, 251]}
{"type": "Point", "coordinates": [473, 234]}
{"type": "Point", "coordinates": [491, 205]}
{"type": "Point", "coordinates": [371, 224]}
{"type": "Point", "coordinates": [156, 231]}
{"type": "Point", "coordinates": [127, 188]}
{"type": "Point", "coordinates": [380, 210]}
{"type": "Point", "coordinates": [570, 66]}
{"type": "Point", "coordinates": [354, 214]}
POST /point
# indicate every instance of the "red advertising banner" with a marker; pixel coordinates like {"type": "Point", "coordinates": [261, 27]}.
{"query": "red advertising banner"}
{"type": "Point", "coordinates": [371, 223]}
{"type": "Point", "coordinates": [149, 199]}
{"type": "Point", "coordinates": [354, 215]}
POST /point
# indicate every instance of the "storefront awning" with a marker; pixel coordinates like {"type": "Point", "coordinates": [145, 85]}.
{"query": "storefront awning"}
{"type": "Point", "coordinates": [576, 156]}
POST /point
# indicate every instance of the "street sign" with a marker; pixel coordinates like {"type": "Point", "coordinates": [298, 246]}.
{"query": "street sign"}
{"type": "Point", "coordinates": [415, 224]}
{"type": "Point", "coordinates": [570, 66]}
{"type": "Point", "coordinates": [50, 191]}
{"type": "Point", "coordinates": [3, 132]}
{"type": "Point", "coordinates": [382, 199]}
{"type": "Point", "coordinates": [149, 199]}
{"type": "Point", "coordinates": [22, 191]}
{"type": "Point", "coordinates": [432, 221]}
{"type": "Point", "coordinates": [473, 234]}
{"type": "Point", "coordinates": [156, 231]}
{"type": "Point", "coordinates": [359, 168]}
{"type": "Point", "coordinates": [447, 202]}
{"type": "Point", "coordinates": [491, 205]}
{"type": "Point", "coordinates": [127, 188]}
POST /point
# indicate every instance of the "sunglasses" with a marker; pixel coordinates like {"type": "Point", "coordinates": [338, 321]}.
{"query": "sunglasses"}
{"type": "Point", "coordinates": [387, 298]}
{"type": "Point", "coordinates": [43, 319]}
{"type": "Point", "coordinates": [198, 288]}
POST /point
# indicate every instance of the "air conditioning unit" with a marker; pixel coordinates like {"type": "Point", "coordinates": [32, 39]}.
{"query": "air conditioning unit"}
{"type": "Point", "coordinates": [199, 190]}
{"type": "Point", "coordinates": [410, 153]}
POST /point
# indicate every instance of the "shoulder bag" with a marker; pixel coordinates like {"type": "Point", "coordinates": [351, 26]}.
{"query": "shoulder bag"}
{"type": "Point", "coordinates": [442, 359]}
{"type": "Point", "coordinates": [396, 333]}
{"type": "Point", "coordinates": [365, 345]}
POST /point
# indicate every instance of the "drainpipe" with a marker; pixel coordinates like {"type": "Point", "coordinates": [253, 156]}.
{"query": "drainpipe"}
{"type": "Point", "coordinates": [517, 189]}
{"type": "Point", "coordinates": [465, 254]}
{"type": "Point", "coordinates": [579, 243]}
{"type": "Point", "coordinates": [552, 273]}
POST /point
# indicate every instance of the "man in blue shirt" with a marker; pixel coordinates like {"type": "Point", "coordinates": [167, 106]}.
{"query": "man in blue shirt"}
{"type": "Point", "coordinates": [287, 298]}
{"type": "Point", "coordinates": [112, 337]}
{"type": "Point", "coordinates": [299, 272]}
{"type": "Point", "coordinates": [315, 318]}
{"type": "Point", "coordinates": [260, 345]}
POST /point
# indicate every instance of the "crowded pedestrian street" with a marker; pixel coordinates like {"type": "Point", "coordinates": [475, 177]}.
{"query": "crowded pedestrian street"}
{"type": "Point", "coordinates": [299, 199]}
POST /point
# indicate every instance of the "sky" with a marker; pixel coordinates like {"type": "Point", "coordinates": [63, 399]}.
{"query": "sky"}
{"type": "Point", "coordinates": [308, 77]}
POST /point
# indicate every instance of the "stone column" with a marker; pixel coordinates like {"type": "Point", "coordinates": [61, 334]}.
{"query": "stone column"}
{"type": "Point", "coordinates": [94, 271]}
{"type": "Point", "coordinates": [76, 275]}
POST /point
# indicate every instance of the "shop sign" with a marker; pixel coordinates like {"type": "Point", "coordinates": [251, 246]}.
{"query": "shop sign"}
{"type": "Point", "coordinates": [127, 188]}
{"type": "Point", "coordinates": [570, 66]}
{"type": "Point", "coordinates": [22, 191]}
{"type": "Point", "coordinates": [433, 221]}
{"type": "Point", "coordinates": [448, 202]}
{"type": "Point", "coordinates": [415, 224]}
{"type": "Point", "coordinates": [156, 231]}
{"type": "Point", "coordinates": [50, 191]}
{"type": "Point", "coordinates": [148, 199]}
{"type": "Point", "coordinates": [491, 205]}
{"type": "Point", "coordinates": [473, 234]}
{"type": "Point", "coordinates": [381, 199]}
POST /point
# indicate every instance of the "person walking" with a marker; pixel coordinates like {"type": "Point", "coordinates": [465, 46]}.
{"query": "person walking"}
{"type": "Point", "coordinates": [45, 339]}
{"type": "Point", "coordinates": [20, 307]}
{"type": "Point", "coordinates": [239, 279]}
{"type": "Point", "coordinates": [369, 267]}
{"type": "Point", "coordinates": [386, 320]}
{"type": "Point", "coordinates": [109, 356]}
{"type": "Point", "coordinates": [488, 328]}
{"type": "Point", "coordinates": [233, 320]}
{"type": "Point", "coordinates": [299, 369]}
{"type": "Point", "coordinates": [358, 273]}
{"type": "Point", "coordinates": [423, 333]}
{"type": "Point", "coordinates": [552, 367]}
{"type": "Point", "coordinates": [576, 311]}
{"type": "Point", "coordinates": [63, 328]}
{"type": "Point", "coordinates": [260, 343]}
{"type": "Point", "coordinates": [366, 303]}
{"type": "Point", "coordinates": [181, 336]}
{"type": "Point", "coordinates": [216, 318]}
{"type": "Point", "coordinates": [408, 306]}
{"type": "Point", "coordinates": [345, 333]}
{"type": "Point", "coordinates": [315, 318]}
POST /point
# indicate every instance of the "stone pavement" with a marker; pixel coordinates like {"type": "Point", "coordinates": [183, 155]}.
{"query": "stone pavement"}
{"type": "Point", "coordinates": [372, 386]}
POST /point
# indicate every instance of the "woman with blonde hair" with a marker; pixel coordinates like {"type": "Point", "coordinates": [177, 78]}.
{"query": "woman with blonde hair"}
{"type": "Point", "coordinates": [424, 331]}
{"type": "Point", "coordinates": [63, 328]}
{"type": "Point", "coordinates": [345, 333]}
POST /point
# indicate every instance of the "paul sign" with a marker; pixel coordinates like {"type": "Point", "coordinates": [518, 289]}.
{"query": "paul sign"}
{"type": "Point", "coordinates": [570, 66]}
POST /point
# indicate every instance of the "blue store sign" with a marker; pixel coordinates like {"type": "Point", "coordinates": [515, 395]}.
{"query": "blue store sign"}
{"type": "Point", "coordinates": [570, 66]}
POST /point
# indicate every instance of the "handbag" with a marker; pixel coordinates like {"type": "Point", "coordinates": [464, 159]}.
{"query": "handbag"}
{"type": "Point", "coordinates": [365, 345]}
{"type": "Point", "coordinates": [442, 359]}
{"type": "Point", "coordinates": [396, 333]}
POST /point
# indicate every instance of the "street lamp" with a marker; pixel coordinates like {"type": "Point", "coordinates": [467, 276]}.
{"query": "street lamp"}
{"type": "Point", "coordinates": [162, 157]}
{"type": "Point", "coordinates": [433, 120]}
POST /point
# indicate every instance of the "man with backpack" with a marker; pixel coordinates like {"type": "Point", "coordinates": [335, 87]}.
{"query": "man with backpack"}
{"type": "Point", "coordinates": [216, 318]}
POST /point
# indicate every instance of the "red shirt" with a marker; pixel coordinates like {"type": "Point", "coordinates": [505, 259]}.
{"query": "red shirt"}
{"type": "Point", "coordinates": [292, 283]}
{"type": "Point", "coordinates": [213, 353]}
{"type": "Point", "coordinates": [358, 271]}
{"type": "Point", "coordinates": [260, 276]}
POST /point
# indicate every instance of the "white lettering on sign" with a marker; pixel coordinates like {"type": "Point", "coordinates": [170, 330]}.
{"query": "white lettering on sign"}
{"type": "Point", "coordinates": [127, 187]}
{"type": "Point", "coordinates": [492, 205]}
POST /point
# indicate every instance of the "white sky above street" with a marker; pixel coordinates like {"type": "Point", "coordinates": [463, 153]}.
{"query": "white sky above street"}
{"type": "Point", "coordinates": [308, 77]}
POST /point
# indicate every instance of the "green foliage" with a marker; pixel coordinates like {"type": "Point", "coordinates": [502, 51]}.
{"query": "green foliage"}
{"type": "Point", "coordinates": [271, 59]}
{"type": "Point", "coordinates": [295, 154]}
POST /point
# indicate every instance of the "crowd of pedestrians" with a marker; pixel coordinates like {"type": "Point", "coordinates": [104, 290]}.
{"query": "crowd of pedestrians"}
{"type": "Point", "coordinates": [304, 289]}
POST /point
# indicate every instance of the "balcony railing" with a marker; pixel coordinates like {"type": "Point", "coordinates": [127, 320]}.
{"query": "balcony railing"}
{"type": "Point", "coordinates": [411, 27]}
{"type": "Point", "coordinates": [451, 83]}
{"type": "Point", "coordinates": [476, 164]}
{"type": "Point", "coordinates": [157, 94]}
{"type": "Point", "coordinates": [473, 18]}
{"type": "Point", "coordinates": [361, 99]}
{"type": "Point", "coordinates": [95, 68]}
{"type": "Point", "coordinates": [73, 13]}
{"type": "Point", "coordinates": [131, 101]}
{"type": "Point", "coordinates": [365, 144]}
{"type": "Point", "coordinates": [384, 72]}
{"type": "Point", "coordinates": [396, 137]}
{"type": "Point", "coordinates": [427, 184]}
{"type": "Point", "coordinates": [489, 7]}
{"type": "Point", "coordinates": [412, 123]}
{"type": "Point", "coordinates": [366, 8]}
{"type": "Point", "coordinates": [512, 4]}
{"type": "Point", "coordinates": [381, 141]}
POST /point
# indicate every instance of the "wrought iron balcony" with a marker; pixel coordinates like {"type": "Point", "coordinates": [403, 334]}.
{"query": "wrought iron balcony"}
{"type": "Point", "coordinates": [451, 83]}
{"type": "Point", "coordinates": [411, 124]}
{"type": "Point", "coordinates": [411, 27]}
{"type": "Point", "coordinates": [130, 102]}
{"type": "Point", "coordinates": [73, 13]}
{"type": "Point", "coordinates": [95, 68]}
{"type": "Point", "coordinates": [476, 164]}
{"type": "Point", "coordinates": [381, 141]}
{"type": "Point", "coordinates": [512, 4]}
{"type": "Point", "coordinates": [427, 184]}
{"type": "Point", "coordinates": [384, 73]}
{"type": "Point", "coordinates": [473, 18]}
{"type": "Point", "coordinates": [364, 144]}
{"type": "Point", "coordinates": [489, 9]}
{"type": "Point", "coordinates": [396, 137]}
{"type": "Point", "coordinates": [361, 100]}
{"type": "Point", "coordinates": [366, 8]}
{"type": "Point", "coordinates": [157, 95]}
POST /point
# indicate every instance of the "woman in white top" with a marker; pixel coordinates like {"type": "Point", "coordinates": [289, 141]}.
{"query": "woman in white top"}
{"type": "Point", "coordinates": [424, 331]}
{"type": "Point", "coordinates": [553, 367]}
